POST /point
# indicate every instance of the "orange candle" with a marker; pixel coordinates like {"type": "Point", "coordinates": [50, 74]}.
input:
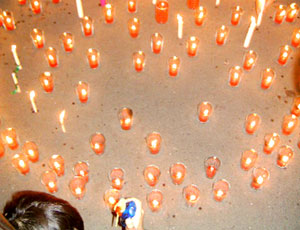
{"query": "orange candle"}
{"type": "Point", "coordinates": [68, 41]}
{"type": "Point", "coordinates": [21, 163]}
{"type": "Point", "coordinates": [57, 163]}
{"type": "Point", "coordinates": [191, 194]}
{"type": "Point", "coordinates": [151, 175]}
{"type": "Point", "coordinates": [154, 200]}
{"type": "Point", "coordinates": [296, 38]}
{"type": "Point", "coordinates": [82, 91]}
{"type": "Point", "coordinates": [117, 178]}
{"type": "Point", "coordinates": [30, 150]}
{"type": "Point", "coordinates": [35, 6]}
{"type": "Point", "coordinates": [97, 142]}
{"type": "Point", "coordinates": [248, 159]}
{"type": "Point", "coordinates": [193, 4]}
{"type": "Point", "coordinates": [259, 177]}
{"type": "Point", "coordinates": [280, 14]}
{"type": "Point", "coordinates": [289, 124]}
{"type": "Point", "coordinates": [47, 82]}
{"type": "Point", "coordinates": [82, 169]}
{"type": "Point", "coordinates": [157, 43]}
{"type": "Point", "coordinates": [50, 181]}
{"type": "Point", "coordinates": [177, 173]}
{"type": "Point", "coordinates": [22, 2]}
{"type": "Point", "coordinates": [292, 12]}
{"type": "Point", "coordinates": [108, 13]}
{"type": "Point", "coordinates": [205, 110]}
{"type": "Point", "coordinates": [221, 35]}
{"type": "Point", "coordinates": [220, 189]}
{"type": "Point", "coordinates": [235, 75]}
{"type": "Point", "coordinates": [200, 15]}
{"type": "Point", "coordinates": [162, 11]}
{"type": "Point", "coordinates": [131, 6]}
{"type": "Point", "coordinates": [111, 198]}
{"type": "Point", "coordinates": [212, 165]}
{"type": "Point", "coordinates": [87, 26]}
{"type": "Point", "coordinates": [9, 137]}
{"type": "Point", "coordinates": [77, 187]}
{"type": "Point", "coordinates": [2, 149]}
{"type": "Point", "coordinates": [174, 63]}
{"type": "Point", "coordinates": [125, 116]}
{"type": "Point", "coordinates": [252, 122]}
{"type": "Point", "coordinates": [192, 46]}
{"type": "Point", "coordinates": [296, 107]}
{"type": "Point", "coordinates": [133, 27]}
{"type": "Point", "coordinates": [8, 20]}
{"type": "Point", "coordinates": [93, 57]}
{"type": "Point", "coordinates": [285, 154]}
{"type": "Point", "coordinates": [249, 60]}
{"type": "Point", "coordinates": [268, 77]}
{"type": "Point", "coordinates": [271, 142]}
{"type": "Point", "coordinates": [285, 52]}
{"type": "Point", "coordinates": [139, 61]}
{"type": "Point", "coordinates": [153, 141]}
{"type": "Point", "coordinates": [37, 37]}
{"type": "Point", "coordinates": [236, 15]}
{"type": "Point", "coordinates": [51, 56]}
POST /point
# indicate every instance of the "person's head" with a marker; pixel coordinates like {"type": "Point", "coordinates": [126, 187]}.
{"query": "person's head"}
{"type": "Point", "coordinates": [29, 210]}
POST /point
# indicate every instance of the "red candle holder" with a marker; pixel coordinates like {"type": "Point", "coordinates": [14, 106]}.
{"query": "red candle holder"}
{"type": "Point", "coordinates": [221, 35]}
{"type": "Point", "coordinates": [97, 142]}
{"type": "Point", "coordinates": [116, 177]}
{"type": "Point", "coordinates": [289, 124]}
{"type": "Point", "coordinates": [87, 26]}
{"type": "Point", "coordinates": [38, 38]}
{"type": "Point", "coordinates": [259, 177]}
{"type": "Point", "coordinates": [155, 200]}
{"type": "Point", "coordinates": [200, 15]}
{"type": "Point", "coordinates": [292, 12]}
{"type": "Point", "coordinates": [271, 142]}
{"type": "Point", "coordinates": [285, 52]}
{"type": "Point", "coordinates": [161, 11]}
{"type": "Point", "coordinates": [296, 38]}
{"type": "Point", "coordinates": [192, 46]}
{"type": "Point", "coordinates": [235, 75]}
{"type": "Point", "coordinates": [191, 194]}
{"type": "Point", "coordinates": [49, 180]}
{"type": "Point", "coordinates": [285, 154]}
{"type": "Point", "coordinates": [9, 137]}
{"type": "Point", "coordinates": [139, 61]}
{"type": "Point", "coordinates": [220, 189]}
{"type": "Point", "coordinates": [36, 6]}
{"type": "Point", "coordinates": [68, 41]}
{"type": "Point", "coordinates": [131, 6]}
{"type": "Point", "coordinates": [57, 163]}
{"type": "Point", "coordinates": [212, 165]}
{"type": "Point", "coordinates": [151, 175]}
{"type": "Point", "coordinates": [8, 20]}
{"type": "Point", "coordinates": [111, 198]}
{"type": "Point", "coordinates": [267, 79]}
{"type": "Point", "coordinates": [93, 57]}
{"type": "Point", "coordinates": [30, 150]}
{"type": "Point", "coordinates": [47, 82]}
{"type": "Point", "coordinates": [125, 117]}
{"type": "Point", "coordinates": [77, 187]}
{"type": "Point", "coordinates": [249, 60]}
{"type": "Point", "coordinates": [133, 27]}
{"type": "Point", "coordinates": [81, 169]}
{"type": "Point", "coordinates": [193, 4]}
{"type": "Point", "coordinates": [280, 14]}
{"type": "Point", "coordinates": [108, 10]}
{"type": "Point", "coordinates": [205, 110]}
{"type": "Point", "coordinates": [82, 91]}
{"type": "Point", "coordinates": [236, 15]}
{"type": "Point", "coordinates": [252, 123]}
{"type": "Point", "coordinates": [177, 173]}
{"type": "Point", "coordinates": [248, 159]}
{"type": "Point", "coordinates": [296, 107]}
{"type": "Point", "coordinates": [153, 141]}
{"type": "Point", "coordinates": [157, 43]}
{"type": "Point", "coordinates": [2, 149]}
{"type": "Point", "coordinates": [174, 64]}
{"type": "Point", "coordinates": [21, 163]}
{"type": "Point", "coordinates": [51, 56]}
{"type": "Point", "coordinates": [22, 2]}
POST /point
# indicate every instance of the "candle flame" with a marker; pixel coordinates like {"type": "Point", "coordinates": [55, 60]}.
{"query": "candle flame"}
{"type": "Point", "coordinates": [219, 193]}
{"type": "Point", "coordinates": [31, 152]}
{"type": "Point", "coordinates": [9, 140]}
{"type": "Point", "coordinates": [78, 191]}
{"type": "Point", "coordinates": [111, 200]}
{"type": "Point", "coordinates": [179, 18]}
{"type": "Point", "coordinates": [22, 164]}
{"type": "Point", "coordinates": [51, 184]}
{"type": "Point", "coordinates": [178, 175]}
{"type": "Point", "coordinates": [260, 180]}
{"type": "Point", "coordinates": [285, 159]}
{"type": "Point", "coordinates": [193, 197]}
{"type": "Point", "coordinates": [155, 203]}
{"type": "Point", "coordinates": [248, 161]}
{"type": "Point", "coordinates": [150, 176]}
{"type": "Point", "coordinates": [56, 165]}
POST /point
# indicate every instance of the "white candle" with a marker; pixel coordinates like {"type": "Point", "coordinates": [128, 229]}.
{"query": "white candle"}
{"type": "Point", "coordinates": [250, 32]}
{"type": "Point", "coordinates": [79, 8]}
{"type": "Point", "coordinates": [32, 96]}
{"type": "Point", "coordinates": [15, 79]}
{"type": "Point", "coordinates": [14, 51]}
{"type": "Point", "coordinates": [180, 26]}
{"type": "Point", "coordinates": [62, 120]}
{"type": "Point", "coordinates": [260, 7]}
{"type": "Point", "coordinates": [218, 2]}
{"type": "Point", "coordinates": [154, 2]}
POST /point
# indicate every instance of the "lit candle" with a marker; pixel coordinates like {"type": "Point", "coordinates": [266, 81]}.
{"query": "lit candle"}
{"type": "Point", "coordinates": [174, 63]}
{"type": "Point", "coordinates": [35, 6]}
{"type": "Point", "coordinates": [162, 11]}
{"type": "Point", "coordinates": [37, 37]}
{"type": "Point", "coordinates": [220, 189]}
{"type": "Point", "coordinates": [15, 55]}
{"type": "Point", "coordinates": [9, 137]}
{"type": "Point", "coordinates": [157, 43]}
{"type": "Point", "coordinates": [111, 198]}
{"type": "Point", "coordinates": [87, 26]}
{"type": "Point", "coordinates": [22, 2]}
{"type": "Point", "coordinates": [117, 178]}
{"type": "Point", "coordinates": [49, 180]}
{"type": "Point", "coordinates": [271, 142]}
{"type": "Point", "coordinates": [68, 41]}
{"type": "Point", "coordinates": [285, 52]}
{"type": "Point", "coordinates": [250, 32]}
{"type": "Point", "coordinates": [252, 123]}
{"type": "Point", "coordinates": [268, 77]}
{"type": "Point", "coordinates": [32, 96]}
{"type": "Point", "coordinates": [259, 177]}
{"type": "Point", "coordinates": [248, 159]}
{"type": "Point", "coordinates": [280, 14]}
{"type": "Point", "coordinates": [221, 35]}
{"type": "Point", "coordinates": [249, 60]}
{"type": "Point", "coordinates": [191, 194]}
{"type": "Point", "coordinates": [20, 162]}
{"type": "Point", "coordinates": [30, 149]}
{"type": "Point", "coordinates": [77, 187]}
{"type": "Point", "coordinates": [212, 165]}
{"type": "Point", "coordinates": [57, 163]}
{"type": "Point", "coordinates": [8, 20]}
{"type": "Point", "coordinates": [97, 142]}
{"type": "Point", "coordinates": [204, 111]}
{"type": "Point", "coordinates": [93, 57]}
{"type": "Point", "coordinates": [192, 46]}
{"type": "Point", "coordinates": [218, 2]}
{"type": "Point", "coordinates": [108, 13]}
{"type": "Point", "coordinates": [296, 38]}
{"type": "Point", "coordinates": [285, 154]}
{"type": "Point", "coordinates": [292, 12]}
{"type": "Point", "coordinates": [151, 175]}
{"type": "Point", "coordinates": [180, 26]}
{"type": "Point", "coordinates": [82, 169]}
{"type": "Point", "coordinates": [193, 4]}
{"type": "Point", "coordinates": [131, 6]}
{"type": "Point", "coordinates": [155, 199]}
{"type": "Point", "coordinates": [47, 82]}
{"type": "Point", "coordinates": [82, 91]}
{"type": "Point", "coordinates": [51, 56]}
{"type": "Point", "coordinates": [235, 75]}
{"type": "Point", "coordinates": [236, 15]}
{"type": "Point", "coordinates": [125, 117]}
{"type": "Point", "coordinates": [296, 107]}
{"type": "Point", "coordinates": [200, 15]}
{"type": "Point", "coordinates": [139, 61]}
{"type": "Point", "coordinates": [133, 27]}
{"type": "Point", "coordinates": [62, 120]}
{"type": "Point", "coordinates": [2, 149]}
{"type": "Point", "coordinates": [177, 173]}
{"type": "Point", "coordinates": [79, 8]}
{"type": "Point", "coordinates": [260, 7]}
{"type": "Point", "coordinates": [153, 141]}
{"type": "Point", "coordinates": [289, 124]}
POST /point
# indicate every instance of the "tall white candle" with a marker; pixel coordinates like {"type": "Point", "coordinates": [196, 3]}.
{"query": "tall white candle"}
{"type": "Point", "coordinates": [260, 7]}
{"type": "Point", "coordinates": [79, 8]}
{"type": "Point", "coordinates": [218, 2]}
{"type": "Point", "coordinates": [32, 96]}
{"type": "Point", "coordinates": [250, 32]}
{"type": "Point", "coordinates": [180, 26]}
{"type": "Point", "coordinates": [62, 120]}
{"type": "Point", "coordinates": [14, 51]}
{"type": "Point", "coordinates": [15, 79]}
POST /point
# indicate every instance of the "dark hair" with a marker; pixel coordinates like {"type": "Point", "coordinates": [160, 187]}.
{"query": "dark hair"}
{"type": "Point", "coordinates": [29, 210]}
